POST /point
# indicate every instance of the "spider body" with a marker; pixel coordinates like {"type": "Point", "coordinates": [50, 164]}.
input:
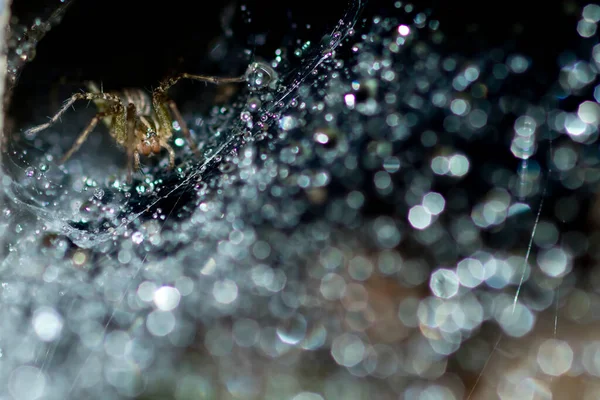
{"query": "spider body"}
{"type": "Point", "coordinates": [138, 121]}
{"type": "Point", "coordinates": [149, 135]}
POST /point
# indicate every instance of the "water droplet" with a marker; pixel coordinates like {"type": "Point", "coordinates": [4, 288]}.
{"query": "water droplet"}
{"type": "Point", "coordinates": [261, 75]}
{"type": "Point", "coordinates": [137, 237]}
{"type": "Point", "coordinates": [89, 182]}
{"type": "Point", "coordinates": [99, 193]}
{"type": "Point", "coordinates": [245, 116]}
{"type": "Point", "coordinates": [293, 330]}
{"type": "Point", "coordinates": [444, 283]}
{"type": "Point", "coordinates": [254, 104]}
{"type": "Point", "coordinates": [321, 137]}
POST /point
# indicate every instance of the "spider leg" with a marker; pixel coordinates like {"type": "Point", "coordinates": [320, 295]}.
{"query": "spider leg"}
{"type": "Point", "coordinates": [131, 150]}
{"type": "Point", "coordinates": [167, 83]}
{"type": "Point", "coordinates": [159, 102]}
{"type": "Point", "coordinates": [84, 135]}
{"type": "Point", "coordinates": [69, 103]}
{"type": "Point", "coordinates": [136, 158]}
{"type": "Point", "coordinates": [171, 153]}
{"type": "Point", "coordinates": [182, 125]}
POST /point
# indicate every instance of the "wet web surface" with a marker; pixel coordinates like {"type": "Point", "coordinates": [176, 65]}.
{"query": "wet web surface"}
{"type": "Point", "coordinates": [379, 208]}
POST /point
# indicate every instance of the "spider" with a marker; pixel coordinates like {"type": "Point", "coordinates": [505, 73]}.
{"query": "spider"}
{"type": "Point", "coordinates": [139, 122]}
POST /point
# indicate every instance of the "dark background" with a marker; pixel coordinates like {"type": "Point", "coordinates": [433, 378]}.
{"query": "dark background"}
{"type": "Point", "coordinates": [136, 43]}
